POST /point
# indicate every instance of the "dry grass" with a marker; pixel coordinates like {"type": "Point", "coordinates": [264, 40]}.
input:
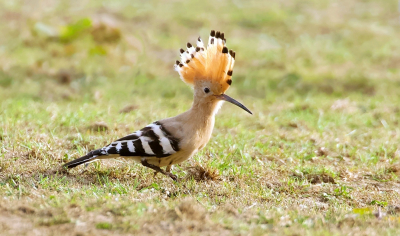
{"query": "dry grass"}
{"type": "Point", "coordinates": [320, 156]}
{"type": "Point", "coordinates": [200, 173]}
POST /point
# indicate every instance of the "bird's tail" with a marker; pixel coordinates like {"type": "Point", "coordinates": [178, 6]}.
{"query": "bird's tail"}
{"type": "Point", "coordinates": [91, 156]}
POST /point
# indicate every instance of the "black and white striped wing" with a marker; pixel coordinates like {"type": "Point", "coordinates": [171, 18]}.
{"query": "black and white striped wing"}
{"type": "Point", "coordinates": [152, 140]}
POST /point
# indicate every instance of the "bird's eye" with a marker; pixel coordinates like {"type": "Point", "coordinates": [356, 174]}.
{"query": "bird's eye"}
{"type": "Point", "coordinates": [206, 90]}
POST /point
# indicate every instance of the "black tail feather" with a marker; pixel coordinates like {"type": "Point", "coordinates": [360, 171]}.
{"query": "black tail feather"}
{"type": "Point", "coordinates": [78, 161]}
{"type": "Point", "coordinates": [89, 157]}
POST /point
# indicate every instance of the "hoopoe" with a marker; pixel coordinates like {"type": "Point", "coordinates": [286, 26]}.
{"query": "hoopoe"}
{"type": "Point", "coordinates": [173, 140]}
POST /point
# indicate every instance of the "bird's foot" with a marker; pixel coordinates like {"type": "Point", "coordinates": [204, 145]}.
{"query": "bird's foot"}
{"type": "Point", "coordinates": [158, 169]}
{"type": "Point", "coordinates": [168, 170]}
{"type": "Point", "coordinates": [173, 177]}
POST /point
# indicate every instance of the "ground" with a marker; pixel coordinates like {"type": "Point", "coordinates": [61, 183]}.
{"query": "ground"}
{"type": "Point", "coordinates": [320, 155]}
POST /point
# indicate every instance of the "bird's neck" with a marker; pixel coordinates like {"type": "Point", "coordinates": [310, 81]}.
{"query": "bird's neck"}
{"type": "Point", "coordinates": [204, 110]}
{"type": "Point", "coordinates": [200, 121]}
{"type": "Point", "coordinates": [202, 117]}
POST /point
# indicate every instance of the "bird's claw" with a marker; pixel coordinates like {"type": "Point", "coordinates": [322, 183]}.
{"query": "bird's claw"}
{"type": "Point", "coordinates": [174, 177]}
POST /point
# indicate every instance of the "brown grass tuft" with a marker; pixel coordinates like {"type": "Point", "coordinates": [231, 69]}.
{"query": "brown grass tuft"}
{"type": "Point", "coordinates": [34, 154]}
{"type": "Point", "coordinates": [315, 178]}
{"type": "Point", "coordinates": [393, 210]}
{"type": "Point", "coordinates": [26, 210]}
{"type": "Point", "coordinates": [128, 109]}
{"type": "Point", "coordinates": [200, 173]}
{"type": "Point", "coordinates": [66, 76]}
{"type": "Point", "coordinates": [105, 29]}
{"type": "Point", "coordinates": [322, 151]}
{"type": "Point", "coordinates": [394, 169]}
{"type": "Point", "coordinates": [98, 127]}
{"type": "Point", "coordinates": [320, 178]}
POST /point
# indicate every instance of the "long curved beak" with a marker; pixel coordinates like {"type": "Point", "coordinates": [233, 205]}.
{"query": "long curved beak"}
{"type": "Point", "coordinates": [233, 101]}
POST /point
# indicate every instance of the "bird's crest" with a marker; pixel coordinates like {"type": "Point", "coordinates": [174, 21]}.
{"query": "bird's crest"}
{"type": "Point", "coordinates": [214, 63]}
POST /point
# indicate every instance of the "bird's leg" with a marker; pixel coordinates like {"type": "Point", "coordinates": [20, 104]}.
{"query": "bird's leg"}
{"type": "Point", "coordinates": [168, 169]}
{"type": "Point", "coordinates": [158, 169]}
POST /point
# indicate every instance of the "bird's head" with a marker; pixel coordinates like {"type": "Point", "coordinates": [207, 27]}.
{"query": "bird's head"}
{"type": "Point", "coordinates": [209, 70]}
{"type": "Point", "coordinates": [212, 92]}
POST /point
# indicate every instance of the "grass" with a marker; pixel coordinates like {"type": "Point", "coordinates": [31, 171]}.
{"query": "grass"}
{"type": "Point", "coordinates": [320, 155]}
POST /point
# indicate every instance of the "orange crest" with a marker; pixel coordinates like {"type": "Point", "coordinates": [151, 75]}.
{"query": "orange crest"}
{"type": "Point", "coordinates": [214, 63]}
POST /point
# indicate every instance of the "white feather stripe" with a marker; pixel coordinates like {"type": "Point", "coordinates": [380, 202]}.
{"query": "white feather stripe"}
{"type": "Point", "coordinates": [232, 63]}
{"type": "Point", "coordinates": [146, 146]}
{"type": "Point", "coordinates": [131, 147]}
{"type": "Point", "coordinates": [137, 133]}
{"type": "Point", "coordinates": [164, 141]}
{"type": "Point", "coordinates": [177, 68]}
{"type": "Point", "coordinates": [157, 130]}
{"type": "Point", "coordinates": [228, 66]}
{"type": "Point", "coordinates": [191, 50]}
{"type": "Point", "coordinates": [166, 145]}
{"type": "Point", "coordinates": [118, 147]}
{"type": "Point", "coordinates": [220, 42]}
{"type": "Point", "coordinates": [200, 43]}
{"type": "Point", "coordinates": [185, 56]}
{"type": "Point", "coordinates": [107, 148]}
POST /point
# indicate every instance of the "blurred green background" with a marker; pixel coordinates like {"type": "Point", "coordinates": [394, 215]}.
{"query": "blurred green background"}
{"type": "Point", "coordinates": [321, 152]}
{"type": "Point", "coordinates": [57, 51]}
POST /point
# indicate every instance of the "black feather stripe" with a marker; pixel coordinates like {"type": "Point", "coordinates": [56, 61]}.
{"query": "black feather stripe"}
{"type": "Point", "coordinates": [112, 150]}
{"type": "Point", "coordinates": [174, 141]}
{"type": "Point", "coordinates": [139, 147]}
{"type": "Point", "coordinates": [174, 144]}
{"type": "Point", "coordinates": [97, 152]}
{"type": "Point", "coordinates": [145, 129]}
{"type": "Point", "coordinates": [129, 137]}
{"type": "Point", "coordinates": [155, 144]}
{"type": "Point", "coordinates": [124, 151]}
